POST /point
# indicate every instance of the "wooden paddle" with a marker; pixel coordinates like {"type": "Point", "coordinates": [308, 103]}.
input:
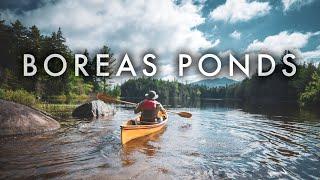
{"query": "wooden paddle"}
{"type": "Point", "coordinates": [109, 99]}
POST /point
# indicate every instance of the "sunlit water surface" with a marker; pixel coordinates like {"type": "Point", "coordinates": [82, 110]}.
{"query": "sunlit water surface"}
{"type": "Point", "coordinates": [218, 142]}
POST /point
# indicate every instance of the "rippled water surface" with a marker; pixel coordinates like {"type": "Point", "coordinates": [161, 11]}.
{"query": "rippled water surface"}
{"type": "Point", "coordinates": [219, 142]}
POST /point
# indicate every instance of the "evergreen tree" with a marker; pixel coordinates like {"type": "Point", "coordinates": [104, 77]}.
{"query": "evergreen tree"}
{"type": "Point", "coordinates": [311, 95]}
{"type": "Point", "coordinates": [101, 83]}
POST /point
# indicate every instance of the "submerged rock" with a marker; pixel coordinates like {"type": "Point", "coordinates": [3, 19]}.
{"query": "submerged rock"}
{"type": "Point", "coordinates": [96, 108]}
{"type": "Point", "coordinates": [20, 119]}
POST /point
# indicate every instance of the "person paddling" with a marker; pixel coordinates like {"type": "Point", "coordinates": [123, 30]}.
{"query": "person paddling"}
{"type": "Point", "coordinates": [150, 109]}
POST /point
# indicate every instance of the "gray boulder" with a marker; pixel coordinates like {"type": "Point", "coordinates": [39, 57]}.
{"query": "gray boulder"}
{"type": "Point", "coordinates": [20, 119]}
{"type": "Point", "coordinates": [96, 108]}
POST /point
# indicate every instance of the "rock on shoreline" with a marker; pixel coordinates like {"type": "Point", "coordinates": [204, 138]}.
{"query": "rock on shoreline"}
{"type": "Point", "coordinates": [96, 108]}
{"type": "Point", "coordinates": [16, 119]}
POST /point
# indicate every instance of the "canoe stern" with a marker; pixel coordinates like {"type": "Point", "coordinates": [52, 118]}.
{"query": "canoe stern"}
{"type": "Point", "coordinates": [130, 132]}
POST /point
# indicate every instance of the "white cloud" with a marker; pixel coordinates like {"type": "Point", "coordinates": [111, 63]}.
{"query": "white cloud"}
{"type": "Point", "coordinates": [277, 44]}
{"type": "Point", "coordinates": [134, 26]}
{"type": "Point", "coordinates": [290, 4]}
{"type": "Point", "coordinates": [158, 25]}
{"type": "Point", "coordinates": [240, 10]}
{"type": "Point", "coordinates": [225, 54]}
{"type": "Point", "coordinates": [311, 56]}
{"type": "Point", "coordinates": [235, 35]}
{"type": "Point", "coordinates": [216, 43]}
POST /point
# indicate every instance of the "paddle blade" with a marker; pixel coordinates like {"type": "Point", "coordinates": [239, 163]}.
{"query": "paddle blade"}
{"type": "Point", "coordinates": [185, 114]}
{"type": "Point", "coordinates": [110, 99]}
{"type": "Point", "coordinates": [105, 98]}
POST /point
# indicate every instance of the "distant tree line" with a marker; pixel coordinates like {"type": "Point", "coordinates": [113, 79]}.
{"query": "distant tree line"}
{"type": "Point", "coordinates": [170, 92]}
{"type": "Point", "coordinates": [17, 40]}
{"type": "Point", "coordinates": [302, 88]}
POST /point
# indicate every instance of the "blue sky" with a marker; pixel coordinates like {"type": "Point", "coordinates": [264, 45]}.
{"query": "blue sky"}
{"type": "Point", "coordinates": [300, 17]}
{"type": "Point", "coordinates": [170, 27]}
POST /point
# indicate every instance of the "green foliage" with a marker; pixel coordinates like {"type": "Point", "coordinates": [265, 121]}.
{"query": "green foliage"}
{"type": "Point", "coordinates": [311, 95]}
{"type": "Point", "coordinates": [2, 93]}
{"type": "Point", "coordinates": [99, 83]}
{"type": "Point", "coordinates": [9, 80]}
{"type": "Point", "coordinates": [17, 40]}
{"type": "Point", "coordinates": [70, 98]}
{"type": "Point", "coordinates": [75, 98]}
{"type": "Point", "coordinates": [19, 96]}
{"type": "Point", "coordinates": [170, 92]}
{"type": "Point", "coordinates": [303, 88]}
{"type": "Point", "coordinates": [78, 86]}
{"type": "Point", "coordinates": [274, 88]}
{"type": "Point", "coordinates": [59, 110]}
{"type": "Point", "coordinates": [115, 91]}
{"type": "Point", "coordinates": [56, 99]}
{"type": "Point", "coordinates": [302, 78]}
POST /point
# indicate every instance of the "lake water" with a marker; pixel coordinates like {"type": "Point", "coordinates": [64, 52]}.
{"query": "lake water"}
{"type": "Point", "coordinates": [220, 141]}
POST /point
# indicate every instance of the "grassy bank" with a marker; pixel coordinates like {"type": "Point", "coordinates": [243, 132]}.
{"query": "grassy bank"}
{"type": "Point", "coordinates": [19, 96]}
{"type": "Point", "coordinates": [60, 109]}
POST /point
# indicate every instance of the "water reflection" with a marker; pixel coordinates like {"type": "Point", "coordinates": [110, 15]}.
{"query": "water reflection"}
{"type": "Point", "coordinates": [223, 140]}
{"type": "Point", "coordinates": [145, 145]}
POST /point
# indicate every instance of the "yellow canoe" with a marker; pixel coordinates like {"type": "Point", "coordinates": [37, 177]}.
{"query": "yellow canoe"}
{"type": "Point", "coordinates": [129, 131]}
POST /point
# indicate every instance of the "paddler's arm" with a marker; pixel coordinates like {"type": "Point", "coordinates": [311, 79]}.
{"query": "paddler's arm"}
{"type": "Point", "coordinates": [162, 110]}
{"type": "Point", "coordinates": [138, 108]}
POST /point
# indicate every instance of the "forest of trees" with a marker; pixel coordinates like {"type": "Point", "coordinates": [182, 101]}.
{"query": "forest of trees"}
{"type": "Point", "coordinates": [16, 40]}
{"type": "Point", "coordinates": [170, 92]}
{"type": "Point", "coordinates": [302, 88]}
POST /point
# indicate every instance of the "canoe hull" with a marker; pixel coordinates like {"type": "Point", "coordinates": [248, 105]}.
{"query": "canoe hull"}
{"type": "Point", "coordinates": [130, 132]}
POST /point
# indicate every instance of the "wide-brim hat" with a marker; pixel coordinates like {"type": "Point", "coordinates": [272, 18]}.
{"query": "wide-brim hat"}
{"type": "Point", "coordinates": [151, 95]}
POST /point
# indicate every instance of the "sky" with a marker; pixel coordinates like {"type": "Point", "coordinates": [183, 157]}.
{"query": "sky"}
{"type": "Point", "coordinates": [167, 28]}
